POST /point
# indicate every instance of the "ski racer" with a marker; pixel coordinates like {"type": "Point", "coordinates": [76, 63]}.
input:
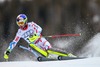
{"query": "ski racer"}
{"type": "Point", "coordinates": [31, 33]}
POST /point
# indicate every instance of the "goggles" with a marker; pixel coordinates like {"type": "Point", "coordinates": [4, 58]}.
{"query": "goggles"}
{"type": "Point", "coordinates": [20, 23]}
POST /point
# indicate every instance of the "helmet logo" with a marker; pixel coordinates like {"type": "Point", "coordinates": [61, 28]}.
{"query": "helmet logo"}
{"type": "Point", "coordinates": [20, 19]}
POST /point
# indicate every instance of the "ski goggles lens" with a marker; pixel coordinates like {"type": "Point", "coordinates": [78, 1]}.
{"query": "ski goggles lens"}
{"type": "Point", "coordinates": [20, 23]}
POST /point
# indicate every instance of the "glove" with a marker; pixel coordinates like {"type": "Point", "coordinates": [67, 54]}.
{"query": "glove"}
{"type": "Point", "coordinates": [6, 54]}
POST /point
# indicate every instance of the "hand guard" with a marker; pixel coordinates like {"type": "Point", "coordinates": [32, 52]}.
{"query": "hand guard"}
{"type": "Point", "coordinates": [6, 54]}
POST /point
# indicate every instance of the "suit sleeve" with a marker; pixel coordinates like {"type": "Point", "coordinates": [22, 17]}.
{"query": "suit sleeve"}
{"type": "Point", "coordinates": [37, 28]}
{"type": "Point", "coordinates": [14, 42]}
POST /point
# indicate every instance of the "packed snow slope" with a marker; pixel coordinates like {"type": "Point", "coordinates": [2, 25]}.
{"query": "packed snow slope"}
{"type": "Point", "coordinates": [87, 62]}
{"type": "Point", "coordinates": [92, 48]}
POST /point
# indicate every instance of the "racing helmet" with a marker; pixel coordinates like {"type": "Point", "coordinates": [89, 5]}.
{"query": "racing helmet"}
{"type": "Point", "coordinates": [21, 20]}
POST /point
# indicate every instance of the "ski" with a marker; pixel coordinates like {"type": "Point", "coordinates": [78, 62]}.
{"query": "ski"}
{"type": "Point", "coordinates": [69, 58]}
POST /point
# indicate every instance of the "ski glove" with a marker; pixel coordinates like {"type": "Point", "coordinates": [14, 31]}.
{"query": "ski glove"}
{"type": "Point", "coordinates": [6, 54]}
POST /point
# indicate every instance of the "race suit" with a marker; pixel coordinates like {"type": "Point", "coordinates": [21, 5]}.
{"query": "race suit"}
{"type": "Point", "coordinates": [32, 35]}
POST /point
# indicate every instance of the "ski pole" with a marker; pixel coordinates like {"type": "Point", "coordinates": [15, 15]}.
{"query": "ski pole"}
{"type": "Point", "coordinates": [62, 35]}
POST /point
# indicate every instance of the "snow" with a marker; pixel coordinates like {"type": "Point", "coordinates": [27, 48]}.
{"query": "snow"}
{"type": "Point", "coordinates": [92, 48]}
{"type": "Point", "coordinates": [88, 62]}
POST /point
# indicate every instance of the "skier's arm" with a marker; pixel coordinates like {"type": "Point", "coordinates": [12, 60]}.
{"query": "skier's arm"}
{"type": "Point", "coordinates": [37, 29]}
{"type": "Point", "coordinates": [13, 43]}
{"type": "Point", "coordinates": [37, 32]}
{"type": "Point", "coordinates": [11, 46]}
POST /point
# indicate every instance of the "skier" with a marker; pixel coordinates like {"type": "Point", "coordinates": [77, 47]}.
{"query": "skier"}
{"type": "Point", "coordinates": [30, 32]}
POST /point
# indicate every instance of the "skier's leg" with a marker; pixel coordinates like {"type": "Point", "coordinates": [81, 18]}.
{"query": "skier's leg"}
{"type": "Point", "coordinates": [41, 46]}
{"type": "Point", "coordinates": [45, 45]}
{"type": "Point", "coordinates": [60, 53]}
{"type": "Point", "coordinates": [39, 50]}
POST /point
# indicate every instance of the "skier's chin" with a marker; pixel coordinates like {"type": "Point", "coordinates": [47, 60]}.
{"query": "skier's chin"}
{"type": "Point", "coordinates": [24, 27]}
{"type": "Point", "coordinates": [21, 27]}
